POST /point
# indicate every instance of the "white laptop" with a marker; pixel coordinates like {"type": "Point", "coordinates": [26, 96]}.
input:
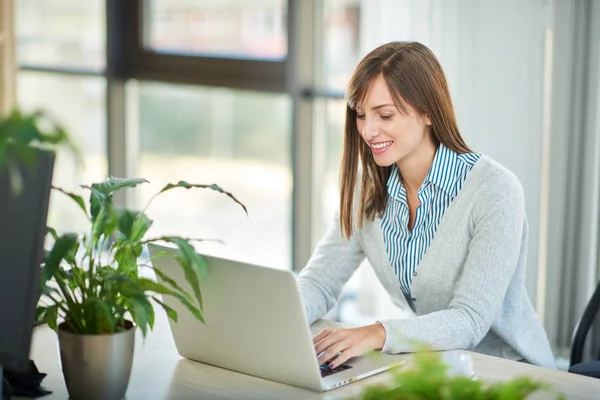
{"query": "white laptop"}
{"type": "Point", "coordinates": [256, 325]}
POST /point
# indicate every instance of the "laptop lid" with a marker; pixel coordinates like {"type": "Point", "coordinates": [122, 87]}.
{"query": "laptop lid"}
{"type": "Point", "coordinates": [255, 322]}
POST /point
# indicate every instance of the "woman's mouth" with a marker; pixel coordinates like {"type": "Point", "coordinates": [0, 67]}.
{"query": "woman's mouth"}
{"type": "Point", "coordinates": [380, 147]}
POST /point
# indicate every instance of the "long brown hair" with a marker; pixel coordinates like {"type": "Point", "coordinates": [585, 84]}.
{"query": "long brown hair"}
{"type": "Point", "coordinates": [414, 76]}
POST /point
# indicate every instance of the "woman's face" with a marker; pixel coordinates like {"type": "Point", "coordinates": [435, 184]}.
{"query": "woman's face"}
{"type": "Point", "coordinates": [391, 135]}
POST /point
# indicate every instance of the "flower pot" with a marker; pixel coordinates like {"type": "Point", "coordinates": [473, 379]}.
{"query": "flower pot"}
{"type": "Point", "coordinates": [96, 367]}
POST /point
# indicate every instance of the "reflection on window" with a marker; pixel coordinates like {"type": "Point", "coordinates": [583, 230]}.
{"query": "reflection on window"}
{"type": "Point", "coordinates": [61, 33]}
{"type": "Point", "coordinates": [255, 29]}
{"type": "Point", "coordinates": [81, 111]}
{"type": "Point", "coordinates": [236, 139]}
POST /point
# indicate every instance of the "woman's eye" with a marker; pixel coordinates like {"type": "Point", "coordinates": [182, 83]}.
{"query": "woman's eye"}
{"type": "Point", "coordinates": [386, 117]}
{"type": "Point", "coordinates": [360, 116]}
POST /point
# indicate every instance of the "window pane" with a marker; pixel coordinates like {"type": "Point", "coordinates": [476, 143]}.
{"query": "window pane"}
{"type": "Point", "coordinates": [81, 110]}
{"type": "Point", "coordinates": [231, 28]}
{"type": "Point", "coordinates": [334, 135]}
{"type": "Point", "coordinates": [61, 33]}
{"type": "Point", "coordinates": [239, 140]}
{"type": "Point", "coordinates": [341, 41]}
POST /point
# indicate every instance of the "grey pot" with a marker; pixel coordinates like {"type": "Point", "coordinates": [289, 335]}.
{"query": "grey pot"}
{"type": "Point", "coordinates": [96, 367]}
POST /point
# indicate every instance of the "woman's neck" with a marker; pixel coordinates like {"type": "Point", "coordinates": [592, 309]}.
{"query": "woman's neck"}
{"type": "Point", "coordinates": [415, 166]}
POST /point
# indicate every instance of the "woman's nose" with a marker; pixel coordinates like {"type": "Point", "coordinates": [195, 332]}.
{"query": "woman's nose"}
{"type": "Point", "coordinates": [369, 131]}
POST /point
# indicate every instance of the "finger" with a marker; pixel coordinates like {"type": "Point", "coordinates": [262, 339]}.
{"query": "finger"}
{"type": "Point", "coordinates": [328, 341]}
{"type": "Point", "coordinates": [322, 335]}
{"type": "Point", "coordinates": [342, 358]}
{"type": "Point", "coordinates": [333, 351]}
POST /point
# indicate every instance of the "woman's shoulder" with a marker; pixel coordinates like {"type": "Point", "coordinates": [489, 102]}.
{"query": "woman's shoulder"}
{"type": "Point", "coordinates": [494, 181]}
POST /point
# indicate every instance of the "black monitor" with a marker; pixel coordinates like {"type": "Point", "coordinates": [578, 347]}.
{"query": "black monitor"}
{"type": "Point", "coordinates": [22, 232]}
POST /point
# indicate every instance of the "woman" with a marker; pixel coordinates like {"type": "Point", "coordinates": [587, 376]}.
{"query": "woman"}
{"type": "Point", "coordinates": [444, 228]}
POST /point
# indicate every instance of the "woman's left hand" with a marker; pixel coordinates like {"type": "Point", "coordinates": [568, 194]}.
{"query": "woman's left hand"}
{"type": "Point", "coordinates": [350, 343]}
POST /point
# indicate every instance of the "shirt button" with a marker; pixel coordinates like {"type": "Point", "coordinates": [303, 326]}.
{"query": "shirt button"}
{"type": "Point", "coordinates": [413, 299]}
{"type": "Point", "coordinates": [415, 273]}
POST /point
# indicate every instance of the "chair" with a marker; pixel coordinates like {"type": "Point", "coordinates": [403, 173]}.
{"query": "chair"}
{"type": "Point", "coordinates": [588, 368]}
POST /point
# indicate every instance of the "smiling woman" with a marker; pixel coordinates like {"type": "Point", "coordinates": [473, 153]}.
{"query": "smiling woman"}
{"type": "Point", "coordinates": [444, 228]}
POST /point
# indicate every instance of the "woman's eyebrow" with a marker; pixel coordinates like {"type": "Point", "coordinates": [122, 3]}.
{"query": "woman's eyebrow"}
{"type": "Point", "coordinates": [381, 106]}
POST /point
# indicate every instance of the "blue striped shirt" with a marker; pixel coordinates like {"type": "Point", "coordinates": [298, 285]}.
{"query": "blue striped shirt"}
{"type": "Point", "coordinates": [443, 182]}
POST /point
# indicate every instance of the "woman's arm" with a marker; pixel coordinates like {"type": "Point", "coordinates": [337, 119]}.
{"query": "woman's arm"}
{"type": "Point", "coordinates": [499, 219]}
{"type": "Point", "coordinates": [331, 265]}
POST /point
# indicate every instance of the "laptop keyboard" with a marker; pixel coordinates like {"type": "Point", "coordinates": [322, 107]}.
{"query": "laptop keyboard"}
{"type": "Point", "coordinates": [326, 371]}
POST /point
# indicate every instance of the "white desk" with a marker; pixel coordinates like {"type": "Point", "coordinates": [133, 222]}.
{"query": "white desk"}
{"type": "Point", "coordinates": [160, 373]}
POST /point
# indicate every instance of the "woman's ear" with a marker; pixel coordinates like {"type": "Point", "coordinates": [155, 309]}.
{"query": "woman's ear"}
{"type": "Point", "coordinates": [427, 120]}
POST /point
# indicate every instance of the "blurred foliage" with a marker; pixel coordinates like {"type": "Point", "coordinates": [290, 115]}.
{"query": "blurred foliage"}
{"type": "Point", "coordinates": [426, 377]}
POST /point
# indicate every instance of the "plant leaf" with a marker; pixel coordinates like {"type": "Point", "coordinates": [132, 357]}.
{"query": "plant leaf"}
{"type": "Point", "coordinates": [52, 317]}
{"type": "Point", "coordinates": [105, 319]}
{"type": "Point", "coordinates": [127, 261]}
{"type": "Point", "coordinates": [171, 282]}
{"type": "Point", "coordinates": [186, 185]}
{"type": "Point", "coordinates": [76, 198]}
{"type": "Point", "coordinates": [172, 314]}
{"type": "Point", "coordinates": [62, 247]}
{"type": "Point", "coordinates": [140, 226]}
{"type": "Point", "coordinates": [125, 220]}
{"type": "Point", "coordinates": [149, 285]}
{"type": "Point", "coordinates": [141, 311]}
{"type": "Point", "coordinates": [193, 264]}
{"type": "Point", "coordinates": [52, 232]}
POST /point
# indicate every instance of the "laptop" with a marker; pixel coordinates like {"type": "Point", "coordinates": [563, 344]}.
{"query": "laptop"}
{"type": "Point", "coordinates": [256, 325]}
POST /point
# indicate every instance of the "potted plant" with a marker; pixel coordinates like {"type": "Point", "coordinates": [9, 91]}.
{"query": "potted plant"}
{"type": "Point", "coordinates": [95, 298]}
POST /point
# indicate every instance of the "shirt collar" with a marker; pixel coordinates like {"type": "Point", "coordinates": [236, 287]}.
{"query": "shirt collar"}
{"type": "Point", "coordinates": [395, 187]}
{"type": "Point", "coordinates": [442, 174]}
{"type": "Point", "coordinates": [443, 170]}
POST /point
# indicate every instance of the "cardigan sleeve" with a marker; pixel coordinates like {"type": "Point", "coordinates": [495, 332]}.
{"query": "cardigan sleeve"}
{"type": "Point", "coordinates": [331, 265]}
{"type": "Point", "coordinates": [498, 217]}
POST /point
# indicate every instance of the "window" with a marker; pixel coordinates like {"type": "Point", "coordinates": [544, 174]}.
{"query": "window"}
{"type": "Point", "coordinates": [237, 139]}
{"type": "Point", "coordinates": [81, 110]}
{"type": "Point", "coordinates": [61, 33]}
{"type": "Point", "coordinates": [254, 29]}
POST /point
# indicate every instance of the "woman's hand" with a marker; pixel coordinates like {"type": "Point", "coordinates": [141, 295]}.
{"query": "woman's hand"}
{"type": "Point", "coordinates": [348, 343]}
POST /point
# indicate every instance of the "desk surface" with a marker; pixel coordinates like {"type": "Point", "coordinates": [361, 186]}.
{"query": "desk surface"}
{"type": "Point", "coordinates": [160, 373]}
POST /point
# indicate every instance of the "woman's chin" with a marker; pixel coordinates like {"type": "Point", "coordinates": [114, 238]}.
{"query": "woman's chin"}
{"type": "Point", "coordinates": [383, 161]}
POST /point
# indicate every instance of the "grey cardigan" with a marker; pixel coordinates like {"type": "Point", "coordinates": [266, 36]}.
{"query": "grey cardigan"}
{"type": "Point", "coordinates": [469, 290]}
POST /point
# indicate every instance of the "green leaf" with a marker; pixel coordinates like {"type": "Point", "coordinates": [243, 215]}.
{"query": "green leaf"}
{"type": "Point", "coordinates": [172, 314]}
{"type": "Point", "coordinates": [191, 307]}
{"type": "Point", "coordinates": [140, 227]}
{"type": "Point", "coordinates": [52, 232]}
{"type": "Point", "coordinates": [141, 311]}
{"type": "Point", "coordinates": [112, 184]}
{"type": "Point", "coordinates": [105, 319]}
{"type": "Point", "coordinates": [186, 185]}
{"type": "Point", "coordinates": [97, 201]}
{"type": "Point", "coordinates": [71, 256]}
{"type": "Point", "coordinates": [171, 282]}
{"type": "Point", "coordinates": [52, 317]}
{"type": "Point", "coordinates": [152, 286]}
{"type": "Point", "coordinates": [97, 228]}
{"type": "Point", "coordinates": [127, 261]}
{"type": "Point", "coordinates": [62, 247]}
{"type": "Point", "coordinates": [76, 198]}
{"type": "Point", "coordinates": [101, 193]}
{"type": "Point", "coordinates": [125, 220]}
{"type": "Point", "coordinates": [194, 266]}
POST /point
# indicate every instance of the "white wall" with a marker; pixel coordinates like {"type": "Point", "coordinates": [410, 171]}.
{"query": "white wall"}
{"type": "Point", "coordinates": [493, 55]}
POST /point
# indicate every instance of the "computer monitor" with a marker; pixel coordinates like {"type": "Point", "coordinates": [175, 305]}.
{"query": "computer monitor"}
{"type": "Point", "coordinates": [22, 232]}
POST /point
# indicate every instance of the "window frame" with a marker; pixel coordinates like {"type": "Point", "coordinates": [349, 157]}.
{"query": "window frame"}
{"type": "Point", "coordinates": [128, 61]}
